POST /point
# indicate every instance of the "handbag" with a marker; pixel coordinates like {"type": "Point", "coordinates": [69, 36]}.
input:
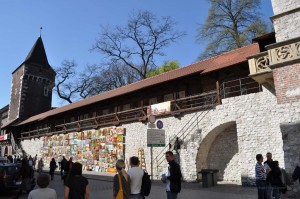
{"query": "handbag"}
{"type": "Point", "coordinates": [120, 194]}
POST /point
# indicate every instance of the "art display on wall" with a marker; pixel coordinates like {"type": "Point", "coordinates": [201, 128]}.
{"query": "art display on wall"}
{"type": "Point", "coordinates": [96, 150]}
{"type": "Point", "coordinates": [159, 109]}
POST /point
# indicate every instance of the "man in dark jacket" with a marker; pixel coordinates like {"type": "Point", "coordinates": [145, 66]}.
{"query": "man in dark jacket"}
{"type": "Point", "coordinates": [296, 173]}
{"type": "Point", "coordinates": [173, 177]}
{"type": "Point", "coordinates": [268, 165]}
{"type": "Point", "coordinates": [62, 166]}
{"type": "Point", "coordinates": [69, 165]}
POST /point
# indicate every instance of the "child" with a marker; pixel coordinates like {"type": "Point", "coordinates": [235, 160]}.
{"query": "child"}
{"type": "Point", "coordinates": [43, 192]}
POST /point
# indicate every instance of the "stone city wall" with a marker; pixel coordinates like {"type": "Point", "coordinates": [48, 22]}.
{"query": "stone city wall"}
{"type": "Point", "coordinates": [225, 138]}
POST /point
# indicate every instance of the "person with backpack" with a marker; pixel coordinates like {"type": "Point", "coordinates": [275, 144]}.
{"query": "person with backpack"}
{"type": "Point", "coordinates": [173, 177]}
{"type": "Point", "coordinates": [136, 178]}
{"type": "Point", "coordinates": [275, 179]}
{"type": "Point", "coordinates": [121, 182]}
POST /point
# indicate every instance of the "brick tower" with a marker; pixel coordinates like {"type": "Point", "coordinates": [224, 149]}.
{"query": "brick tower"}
{"type": "Point", "coordinates": [285, 54]}
{"type": "Point", "coordinates": [32, 83]}
{"type": "Point", "coordinates": [280, 65]}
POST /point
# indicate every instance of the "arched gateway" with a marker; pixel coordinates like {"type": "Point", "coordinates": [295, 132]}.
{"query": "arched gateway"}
{"type": "Point", "coordinates": [219, 150]}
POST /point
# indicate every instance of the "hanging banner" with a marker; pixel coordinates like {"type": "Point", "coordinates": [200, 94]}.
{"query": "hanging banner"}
{"type": "Point", "coordinates": [3, 137]}
{"type": "Point", "coordinates": [160, 109]}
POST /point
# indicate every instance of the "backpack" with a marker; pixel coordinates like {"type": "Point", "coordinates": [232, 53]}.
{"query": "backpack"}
{"type": "Point", "coordinates": [146, 184]}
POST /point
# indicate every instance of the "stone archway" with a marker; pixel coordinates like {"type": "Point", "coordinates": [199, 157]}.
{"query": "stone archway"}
{"type": "Point", "coordinates": [219, 150]}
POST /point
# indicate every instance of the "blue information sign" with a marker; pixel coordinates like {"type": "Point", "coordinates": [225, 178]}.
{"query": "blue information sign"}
{"type": "Point", "coordinates": [159, 124]}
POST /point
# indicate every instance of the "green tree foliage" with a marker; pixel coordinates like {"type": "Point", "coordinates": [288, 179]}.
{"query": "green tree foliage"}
{"type": "Point", "coordinates": [167, 66]}
{"type": "Point", "coordinates": [230, 24]}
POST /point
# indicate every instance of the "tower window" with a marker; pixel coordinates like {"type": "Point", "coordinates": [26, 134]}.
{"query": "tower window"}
{"type": "Point", "coordinates": [46, 91]}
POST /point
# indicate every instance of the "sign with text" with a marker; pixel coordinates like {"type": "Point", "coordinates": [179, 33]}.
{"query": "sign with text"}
{"type": "Point", "coordinates": [156, 138]}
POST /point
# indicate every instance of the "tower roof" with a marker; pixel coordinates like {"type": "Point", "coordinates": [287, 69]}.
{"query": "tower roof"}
{"type": "Point", "coordinates": [37, 55]}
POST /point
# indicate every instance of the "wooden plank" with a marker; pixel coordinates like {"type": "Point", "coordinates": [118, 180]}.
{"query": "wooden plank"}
{"type": "Point", "coordinates": [218, 92]}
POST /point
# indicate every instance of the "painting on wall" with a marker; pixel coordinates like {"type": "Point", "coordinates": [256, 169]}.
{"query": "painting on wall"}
{"type": "Point", "coordinates": [98, 150]}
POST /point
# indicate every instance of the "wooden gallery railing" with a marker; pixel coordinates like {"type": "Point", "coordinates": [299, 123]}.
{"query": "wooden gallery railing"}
{"type": "Point", "coordinates": [202, 101]}
{"type": "Point", "coordinates": [191, 103]}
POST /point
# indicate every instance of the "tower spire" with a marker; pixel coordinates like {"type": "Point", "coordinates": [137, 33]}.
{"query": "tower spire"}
{"type": "Point", "coordinates": [41, 28]}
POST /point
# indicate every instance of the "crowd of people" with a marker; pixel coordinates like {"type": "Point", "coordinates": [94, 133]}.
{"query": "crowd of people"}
{"type": "Point", "coordinates": [130, 184]}
{"type": "Point", "coordinates": [134, 183]}
{"type": "Point", "coordinates": [271, 180]}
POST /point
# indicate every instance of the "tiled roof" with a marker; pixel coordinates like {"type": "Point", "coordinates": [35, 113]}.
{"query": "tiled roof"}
{"type": "Point", "coordinates": [37, 55]}
{"type": "Point", "coordinates": [205, 66]}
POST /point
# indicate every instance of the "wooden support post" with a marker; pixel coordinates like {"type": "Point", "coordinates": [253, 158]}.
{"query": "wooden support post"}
{"type": "Point", "coordinates": [218, 92]}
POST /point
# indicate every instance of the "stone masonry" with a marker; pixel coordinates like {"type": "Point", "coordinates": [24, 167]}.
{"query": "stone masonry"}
{"type": "Point", "coordinates": [225, 138]}
{"type": "Point", "coordinates": [286, 19]}
{"type": "Point", "coordinates": [280, 6]}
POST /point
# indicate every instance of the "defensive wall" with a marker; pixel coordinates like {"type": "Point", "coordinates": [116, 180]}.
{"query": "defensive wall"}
{"type": "Point", "coordinates": [226, 138]}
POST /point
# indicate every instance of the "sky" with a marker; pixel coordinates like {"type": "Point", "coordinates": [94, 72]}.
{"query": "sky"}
{"type": "Point", "coordinates": [70, 28]}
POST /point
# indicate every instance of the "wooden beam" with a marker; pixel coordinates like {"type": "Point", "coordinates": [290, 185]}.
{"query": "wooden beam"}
{"type": "Point", "coordinates": [218, 92]}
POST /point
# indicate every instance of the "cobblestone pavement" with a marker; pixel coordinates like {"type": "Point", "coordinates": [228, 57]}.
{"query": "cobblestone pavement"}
{"type": "Point", "coordinates": [101, 188]}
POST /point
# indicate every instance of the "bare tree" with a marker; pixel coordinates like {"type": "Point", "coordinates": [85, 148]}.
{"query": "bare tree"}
{"type": "Point", "coordinates": [130, 53]}
{"type": "Point", "coordinates": [230, 24]}
{"type": "Point", "coordinates": [135, 45]}
{"type": "Point", "coordinates": [72, 84]}
{"type": "Point", "coordinates": [64, 75]}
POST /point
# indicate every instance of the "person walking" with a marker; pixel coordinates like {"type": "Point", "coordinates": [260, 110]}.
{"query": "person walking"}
{"type": "Point", "coordinates": [43, 191]}
{"type": "Point", "coordinates": [25, 177]}
{"type": "Point", "coordinates": [62, 166]}
{"type": "Point", "coordinates": [34, 162]}
{"type": "Point", "coordinates": [260, 174]}
{"type": "Point", "coordinates": [53, 166]}
{"type": "Point", "coordinates": [136, 177]}
{"type": "Point", "coordinates": [68, 166]}
{"type": "Point", "coordinates": [59, 159]}
{"type": "Point", "coordinates": [30, 163]}
{"type": "Point", "coordinates": [76, 186]}
{"type": "Point", "coordinates": [121, 182]}
{"type": "Point", "coordinates": [40, 166]}
{"type": "Point", "coordinates": [173, 177]}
